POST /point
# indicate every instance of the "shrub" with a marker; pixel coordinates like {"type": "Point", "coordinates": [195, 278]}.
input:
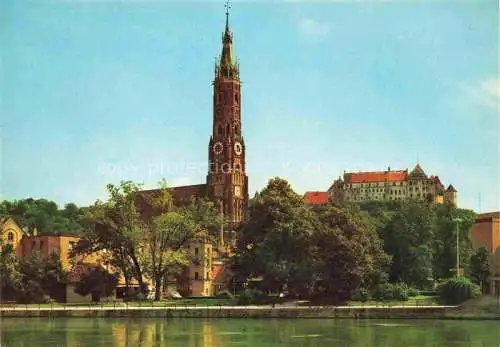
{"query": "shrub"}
{"type": "Point", "coordinates": [224, 295]}
{"type": "Point", "coordinates": [252, 297]}
{"type": "Point", "coordinates": [456, 290]}
{"type": "Point", "coordinates": [388, 291]}
{"type": "Point", "coordinates": [361, 294]}
{"type": "Point", "coordinates": [400, 292]}
{"type": "Point", "coordinates": [413, 291]}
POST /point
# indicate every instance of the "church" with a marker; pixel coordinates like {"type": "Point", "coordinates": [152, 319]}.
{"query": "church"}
{"type": "Point", "coordinates": [226, 181]}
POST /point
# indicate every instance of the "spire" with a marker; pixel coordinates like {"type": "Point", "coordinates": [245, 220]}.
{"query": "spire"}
{"type": "Point", "coordinates": [228, 7]}
{"type": "Point", "coordinates": [227, 66]}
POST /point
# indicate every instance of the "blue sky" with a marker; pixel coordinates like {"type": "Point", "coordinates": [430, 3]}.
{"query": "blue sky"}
{"type": "Point", "coordinates": [99, 91]}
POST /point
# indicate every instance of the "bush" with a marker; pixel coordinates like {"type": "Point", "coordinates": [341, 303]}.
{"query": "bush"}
{"type": "Point", "coordinates": [361, 294]}
{"type": "Point", "coordinates": [413, 292]}
{"type": "Point", "coordinates": [252, 297]}
{"type": "Point", "coordinates": [456, 290]}
{"type": "Point", "coordinates": [400, 292]}
{"type": "Point", "coordinates": [388, 291]}
{"type": "Point", "coordinates": [224, 295]}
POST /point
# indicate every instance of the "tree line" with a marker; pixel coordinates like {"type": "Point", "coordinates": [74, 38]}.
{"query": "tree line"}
{"type": "Point", "coordinates": [336, 253]}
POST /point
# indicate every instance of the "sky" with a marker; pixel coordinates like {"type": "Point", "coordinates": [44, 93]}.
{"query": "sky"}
{"type": "Point", "coordinates": [95, 92]}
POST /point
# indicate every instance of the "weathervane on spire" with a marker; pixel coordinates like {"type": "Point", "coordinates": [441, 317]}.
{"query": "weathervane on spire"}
{"type": "Point", "coordinates": [227, 5]}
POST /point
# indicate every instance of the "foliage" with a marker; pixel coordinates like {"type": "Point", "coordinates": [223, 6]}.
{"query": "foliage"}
{"type": "Point", "coordinates": [480, 266]}
{"type": "Point", "coordinates": [98, 283]}
{"type": "Point", "coordinates": [388, 291]}
{"type": "Point", "coordinates": [41, 277]}
{"type": "Point", "coordinates": [361, 294]}
{"type": "Point", "coordinates": [445, 248]}
{"type": "Point", "coordinates": [10, 275]}
{"type": "Point", "coordinates": [253, 297]}
{"type": "Point", "coordinates": [347, 253]}
{"type": "Point", "coordinates": [116, 226]}
{"type": "Point", "coordinates": [224, 295]}
{"type": "Point", "coordinates": [274, 244]}
{"type": "Point", "coordinates": [412, 291]}
{"type": "Point", "coordinates": [456, 290]}
{"type": "Point", "coordinates": [45, 216]}
{"type": "Point", "coordinates": [304, 251]}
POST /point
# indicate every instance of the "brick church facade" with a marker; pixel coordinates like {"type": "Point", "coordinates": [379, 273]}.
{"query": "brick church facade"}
{"type": "Point", "coordinates": [226, 181]}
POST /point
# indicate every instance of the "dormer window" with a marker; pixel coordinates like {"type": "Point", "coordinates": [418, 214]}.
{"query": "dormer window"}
{"type": "Point", "coordinates": [10, 236]}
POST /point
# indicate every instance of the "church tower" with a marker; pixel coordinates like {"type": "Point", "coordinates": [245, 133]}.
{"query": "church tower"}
{"type": "Point", "coordinates": [227, 181]}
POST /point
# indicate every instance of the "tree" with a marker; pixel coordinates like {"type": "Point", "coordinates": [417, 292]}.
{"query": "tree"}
{"type": "Point", "coordinates": [44, 215]}
{"type": "Point", "coordinates": [275, 243]}
{"type": "Point", "coordinates": [480, 266]}
{"type": "Point", "coordinates": [41, 278]}
{"type": "Point", "coordinates": [116, 226]}
{"type": "Point", "coordinates": [348, 254]}
{"type": "Point", "coordinates": [98, 283]}
{"type": "Point", "coordinates": [10, 276]}
{"type": "Point", "coordinates": [445, 248]}
{"type": "Point", "coordinates": [408, 238]}
{"type": "Point", "coordinates": [169, 229]}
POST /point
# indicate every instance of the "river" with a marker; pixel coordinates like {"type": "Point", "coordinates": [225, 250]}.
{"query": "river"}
{"type": "Point", "coordinates": [126, 332]}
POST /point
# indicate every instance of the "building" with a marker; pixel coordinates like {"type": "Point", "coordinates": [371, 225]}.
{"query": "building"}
{"type": "Point", "coordinates": [226, 180]}
{"type": "Point", "coordinates": [316, 198]}
{"type": "Point", "coordinates": [486, 233]}
{"type": "Point", "coordinates": [390, 185]}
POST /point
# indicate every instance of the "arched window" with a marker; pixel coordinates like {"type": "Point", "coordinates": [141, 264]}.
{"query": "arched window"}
{"type": "Point", "coordinates": [10, 236]}
{"type": "Point", "coordinates": [236, 97]}
{"type": "Point", "coordinates": [219, 130]}
{"type": "Point", "coordinates": [227, 129]}
{"type": "Point", "coordinates": [236, 130]}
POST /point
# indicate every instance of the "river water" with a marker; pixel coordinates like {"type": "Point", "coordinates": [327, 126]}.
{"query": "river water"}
{"type": "Point", "coordinates": [142, 332]}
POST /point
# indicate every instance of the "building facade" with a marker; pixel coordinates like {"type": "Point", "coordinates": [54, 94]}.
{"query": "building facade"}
{"type": "Point", "coordinates": [486, 233]}
{"type": "Point", "coordinates": [390, 185]}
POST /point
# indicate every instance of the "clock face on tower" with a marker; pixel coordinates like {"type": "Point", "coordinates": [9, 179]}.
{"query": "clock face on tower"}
{"type": "Point", "coordinates": [218, 148]}
{"type": "Point", "coordinates": [238, 149]}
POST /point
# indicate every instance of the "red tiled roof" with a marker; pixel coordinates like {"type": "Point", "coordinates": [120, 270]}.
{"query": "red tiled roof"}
{"type": "Point", "coordinates": [316, 198]}
{"type": "Point", "coordinates": [182, 193]}
{"type": "Point", "coordinates": [218, 269]}
{"type": "Point", "coordinates": [376, 176]}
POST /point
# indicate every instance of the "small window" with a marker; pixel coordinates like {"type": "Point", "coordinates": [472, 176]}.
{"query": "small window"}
{"type": "Point", "coordinates": [196, 276]}
{"type": "Point", "coordinates": [236, 97]}
{"type": "Point", "coordinates": [10, 236]}
{"type": "Point", "coordinates": [196, 251]}
{"type": "Point", "coordinates": [219, 131]}
{"type": "Point", "coordinates": [208, 275]}
{"type": "Point", "coordinates": [227, 129]}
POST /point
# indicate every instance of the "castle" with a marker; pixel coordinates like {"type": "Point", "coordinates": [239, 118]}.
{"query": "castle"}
{"type": "Point", "coordinates": [385, 186]}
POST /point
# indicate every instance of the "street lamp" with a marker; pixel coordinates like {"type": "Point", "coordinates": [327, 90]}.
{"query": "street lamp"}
{"type": "Point", "coordinates": [458, 221]}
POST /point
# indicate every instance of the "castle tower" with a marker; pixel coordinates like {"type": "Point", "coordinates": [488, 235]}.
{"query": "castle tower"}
{"type": "Point", "coordinates": [227, 181]}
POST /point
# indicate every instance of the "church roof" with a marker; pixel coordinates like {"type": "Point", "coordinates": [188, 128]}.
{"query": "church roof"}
{"type": "Point", "coordinates": [375, 176]}
{"type": "Point", "coordinates": [316, 198]}
{"type": "Point", "coordinates": [181, 194]}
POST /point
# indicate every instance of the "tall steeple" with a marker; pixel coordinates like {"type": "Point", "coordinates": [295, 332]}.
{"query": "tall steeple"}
{"type": "Point", "coordinates": [227, 180]}
{"type": "Point", "coordinates": [227, 66]}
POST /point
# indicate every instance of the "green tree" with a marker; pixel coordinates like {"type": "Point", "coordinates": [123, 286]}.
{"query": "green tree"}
{"type": "Point", "coordinates": [10, 276]}
{"type": "Point", "coordinates": [348, 253]}
{"type": "Point", "coordinates": [408, 238]}
{"type": "Point", "coordinates": [445, 248]}
{"type": "Point", "coordinates": [275, 243]}
{"type": "Point", "coordinates": [117, 227]}
{"type": "Point", "coordinates": [41, 278]}
{"type": "Point", "coordinates": [480, 266]}
{"type": "Point", "coordinates": [98, 283]}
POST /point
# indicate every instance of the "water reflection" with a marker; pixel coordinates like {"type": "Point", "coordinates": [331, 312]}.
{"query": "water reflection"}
{"type": "Point", "coordinates": [95, 332]}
